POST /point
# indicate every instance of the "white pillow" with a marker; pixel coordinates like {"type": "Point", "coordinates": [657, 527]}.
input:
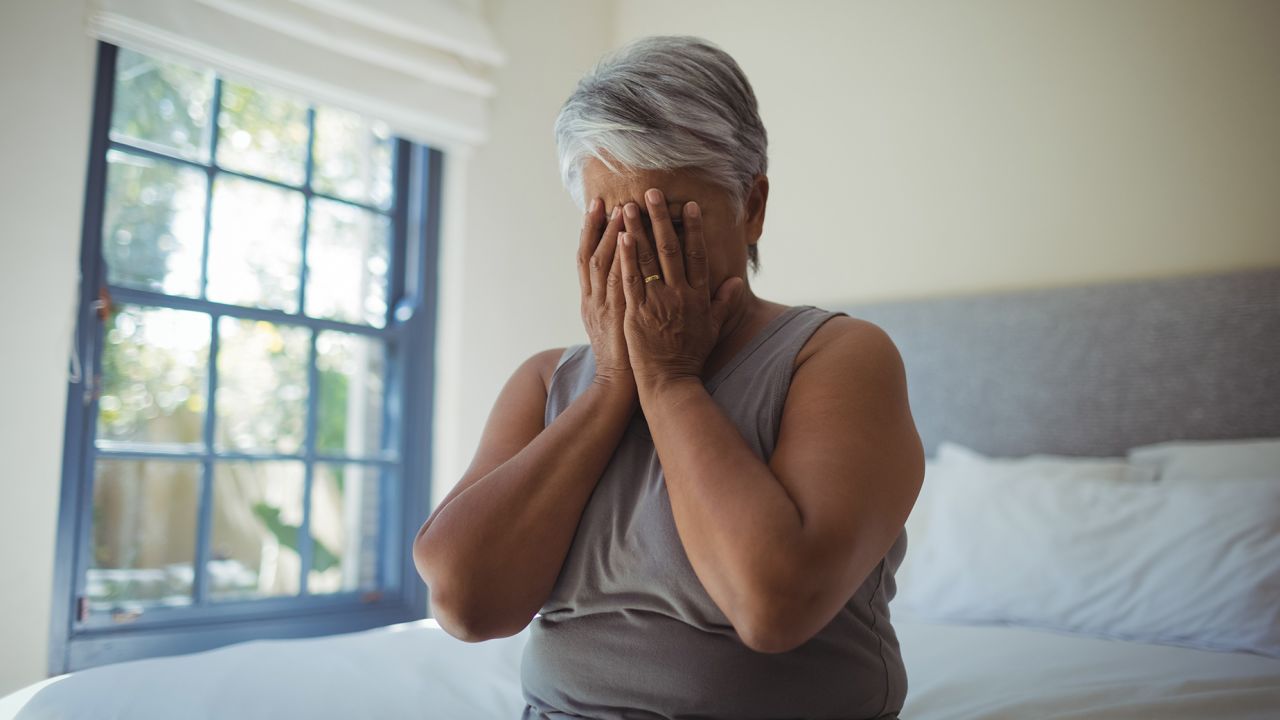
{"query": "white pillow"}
{"type": "Point", "coordinates": [1041, 465]}
{"type": "Point", "coordinates": [1195, 565]}
{"type": "Point", "coordinates": [953, 458]}
{"type": "Point", "coordinates": [1210, 460]}
{"type": "Point", "coordinates": [917, 529]}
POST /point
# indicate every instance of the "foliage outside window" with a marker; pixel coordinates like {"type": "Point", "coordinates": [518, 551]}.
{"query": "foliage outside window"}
{"type": "Point", "coordinates": [241, 430]}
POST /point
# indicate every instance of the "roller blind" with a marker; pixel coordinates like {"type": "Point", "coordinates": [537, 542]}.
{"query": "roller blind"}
{"type": "Point", "coordinates": [422, 66]}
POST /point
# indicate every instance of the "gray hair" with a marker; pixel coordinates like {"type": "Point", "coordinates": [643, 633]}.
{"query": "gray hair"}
{"type": "Point", "coordinates": [661, 103]}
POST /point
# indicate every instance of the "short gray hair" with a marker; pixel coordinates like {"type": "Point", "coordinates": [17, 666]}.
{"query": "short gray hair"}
{"type": "Point", "coordinates": [661, 103]}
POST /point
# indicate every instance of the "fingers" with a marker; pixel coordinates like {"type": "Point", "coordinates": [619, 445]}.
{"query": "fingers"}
{"type": "Point", "coordinates": [632, 280]}
{"type": "Point", "coordinates": [643, 249]}
{"type": "Point", "coordinates": [592, 219]}
{"type": "Point", "coordinates": [613, 282]}
{"type": "Point", "coordinates": [695, 246]}
{"type": "Point", "coordinates": [602, 260]}
{"type": "Point", "coordinates": [665, 239]}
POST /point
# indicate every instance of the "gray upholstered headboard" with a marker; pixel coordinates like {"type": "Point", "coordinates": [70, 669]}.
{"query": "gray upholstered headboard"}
{"type": "Point", "coordinates": [1092, 369]}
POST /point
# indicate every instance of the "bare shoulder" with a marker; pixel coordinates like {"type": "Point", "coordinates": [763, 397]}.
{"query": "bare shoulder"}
{"type": "Point", "coordinates": [842, 335]}
{"type": "Point", "coordinates": [545, 362]}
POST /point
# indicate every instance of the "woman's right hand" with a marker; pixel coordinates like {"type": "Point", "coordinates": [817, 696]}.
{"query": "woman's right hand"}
{"type": "Point", "coordinates": [603, 302]}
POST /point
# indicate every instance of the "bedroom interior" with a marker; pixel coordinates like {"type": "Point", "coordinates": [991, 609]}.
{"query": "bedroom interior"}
{"type": "Point", "coordinates": [1062, 214]}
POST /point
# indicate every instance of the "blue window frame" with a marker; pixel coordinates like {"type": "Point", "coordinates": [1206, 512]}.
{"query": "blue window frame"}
{"type": "Point", "coordinates": [254, 350]}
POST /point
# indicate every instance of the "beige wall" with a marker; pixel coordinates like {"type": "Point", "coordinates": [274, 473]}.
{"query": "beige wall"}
{"type": "Point", "coordinates": [509, 283]}
{"type": "Point", "coordinates": [917, 149]}
{"type": "Point", "coordinates": [47, 91]}
{"type": "Point", "coordinates": [922, 148]}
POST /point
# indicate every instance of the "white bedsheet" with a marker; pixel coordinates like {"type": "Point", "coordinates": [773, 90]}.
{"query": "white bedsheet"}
{"type": "Point", "coordinates": [1002, 672]}
{"type": "Point", "coordinates": [415, 670]}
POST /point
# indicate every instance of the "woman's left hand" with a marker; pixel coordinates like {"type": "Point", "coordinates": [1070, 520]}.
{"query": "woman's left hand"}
{"type": "Point", "coordinates": [671, 323]}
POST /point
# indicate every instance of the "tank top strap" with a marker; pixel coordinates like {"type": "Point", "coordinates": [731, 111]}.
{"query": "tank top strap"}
{"type": "Point", "coordinates": [573, 373]}
{"type": "Point", "coordinates": [770, 359]}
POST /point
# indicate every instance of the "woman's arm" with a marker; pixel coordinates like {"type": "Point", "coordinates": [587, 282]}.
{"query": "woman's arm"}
{"type": "Point", "coordinates": [491, 552]}
{"type": "Point", "coordinates": [781, 547]}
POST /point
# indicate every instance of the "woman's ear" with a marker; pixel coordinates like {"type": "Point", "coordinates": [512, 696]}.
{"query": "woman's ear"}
{"type": "Point", "coordinates": [754, 206]}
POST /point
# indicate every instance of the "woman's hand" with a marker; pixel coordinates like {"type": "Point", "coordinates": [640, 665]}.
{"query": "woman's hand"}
{"type": "Point", "coordinates": [672, 323]}
{"type": "Point", "coordinates": [603, 304]}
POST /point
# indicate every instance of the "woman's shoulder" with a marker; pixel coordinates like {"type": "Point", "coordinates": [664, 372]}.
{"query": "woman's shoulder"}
{"type": "Point", "coordinates": [837, 329]}
{"type": "Point", "coordinates": [547, 361]}
{"type": "Point", "coordinates": [550, 360]}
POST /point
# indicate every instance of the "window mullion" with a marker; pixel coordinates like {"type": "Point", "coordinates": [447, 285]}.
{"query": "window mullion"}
{"type": "Point", "coordinates": [210, 172]}
{"type": "Point", "coordinates": [305, 548]}
{"type": "Point", "coordinates": [91, 323]}
{"type": "Point", "coordinates": [204, 521]}
{"type": "Point", "coordinates": [204, 510]}
{"type": "Point", "coordinates": [304, 532]}
{"type": "Point", "coordinates": [306, 208]}
{"type": "Point", "coordinates": [393, 424]}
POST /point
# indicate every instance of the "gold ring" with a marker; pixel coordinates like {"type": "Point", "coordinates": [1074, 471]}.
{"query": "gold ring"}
{"type": "Point", "coordinates": [651, 278]}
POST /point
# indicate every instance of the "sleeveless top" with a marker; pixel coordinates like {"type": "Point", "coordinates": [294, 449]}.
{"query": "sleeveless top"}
{"type": "Point", "coordinates": [630, 632]}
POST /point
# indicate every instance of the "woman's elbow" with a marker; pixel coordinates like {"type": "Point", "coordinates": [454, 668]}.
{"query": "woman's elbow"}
{"type": "Point", "coordinates": [771, 638]}
{"type": "Point", "coordinates": [771, 627]}
{"type": "Point", "coordinates": [471, 621]}
{"type": "Point", "coordinates": [455, 605]}
{"type": "Point", "coordinates": [451, 615]}
{"type": "Point", "coordinates": [461, 625]}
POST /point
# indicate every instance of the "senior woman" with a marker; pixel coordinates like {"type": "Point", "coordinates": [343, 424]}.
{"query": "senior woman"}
{"type": "Point", "coordinates": [701, 510]}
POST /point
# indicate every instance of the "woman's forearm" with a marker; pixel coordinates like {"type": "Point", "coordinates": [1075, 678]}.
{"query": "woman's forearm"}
{"type": "Point", "coordinates": [491, 556]}
{"type": "Point", "coordinates": [739, 527]}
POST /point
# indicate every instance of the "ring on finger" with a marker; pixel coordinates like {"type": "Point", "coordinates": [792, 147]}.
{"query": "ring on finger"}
{"type": "Point", "coordinates": [651, 278]}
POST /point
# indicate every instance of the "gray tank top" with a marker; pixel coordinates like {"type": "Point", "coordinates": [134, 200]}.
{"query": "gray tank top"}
{"type": "Point", "coordinates": [629, 631]}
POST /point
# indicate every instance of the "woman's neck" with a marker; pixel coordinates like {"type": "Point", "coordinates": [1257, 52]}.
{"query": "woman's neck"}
{"type": "Point", "coordinates": [752, 314]}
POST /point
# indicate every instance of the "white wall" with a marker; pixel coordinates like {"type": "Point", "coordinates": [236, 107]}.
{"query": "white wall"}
{"type": "Point", "coordinates": [47, 91]}
{"type": "Point", "coordinates": [916, 149]}
{"type": "Point", "coordinates": [515, 291]}
{"type": "Point", "coordinates": [922, 148]}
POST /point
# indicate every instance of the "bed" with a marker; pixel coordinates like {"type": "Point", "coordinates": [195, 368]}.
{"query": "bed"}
{"type": "Point", "coordinates": [1078, 372]}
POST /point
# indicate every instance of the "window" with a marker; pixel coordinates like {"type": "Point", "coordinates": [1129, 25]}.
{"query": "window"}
{"type": "Point", "coordinates": [254, 349]}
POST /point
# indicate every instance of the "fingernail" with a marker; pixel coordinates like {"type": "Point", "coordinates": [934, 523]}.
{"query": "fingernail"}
{"type": "Point", "coordinates": [654, 196]}
{"type": "Point", "coordinates": [595, 203]}
{"type": "Point", "coordinates": [632, 210]}
{"type": "Point", "coordinates": [616, 210]}
{"type": "Point", "coordinates": [693, 210]}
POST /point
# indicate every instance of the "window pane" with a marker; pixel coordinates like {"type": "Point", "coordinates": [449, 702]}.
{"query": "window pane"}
{"type": "Point", "coordinates": [347, 258]}
{"type": "Point", "coordinates": [262, 386]}
{"type": "Point", "coordinates": [352, 157]}
{"type": "Point", "coordinates": [257, 510]}
{"type": "Point", "coordinates": [255, 244]}
{"type": "Point", "coordinates": [161, 105]}
{"type": "Point", "coordinates": [153, 224]}
{"type": "Point", "coordinates": [262, 133]}
{"type": "Point", "coordinates": [144, 519]}
{"type": "Point", "coordinates": [154, 375]}
{"type": "Point", "coordinates": [351, 369]}
{"type": "Point", "coordinates": [344, 528]}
